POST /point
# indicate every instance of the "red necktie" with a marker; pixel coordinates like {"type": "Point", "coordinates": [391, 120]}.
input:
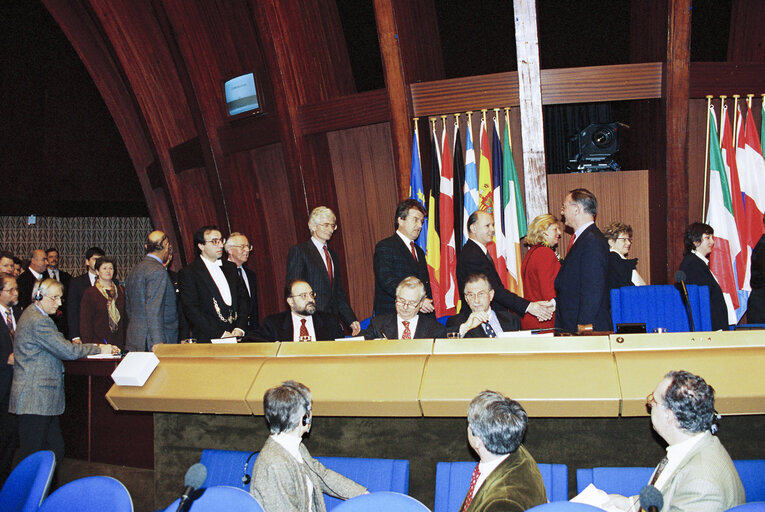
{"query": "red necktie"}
{"type": "Point", "coordinates": [570, 243]}
{"type": "Point", "coordinates": [414, 253]}
{"type": "Point", "coordinates": [304, 330]}
{"type": "Point", "coordinates": [473, 481]}
{"type": "Point", "coordinates": [329, 264]}
{"type": "Point", "coordinates": [9, 321]}
{"type": "Point", "coordinates": [407, 335]}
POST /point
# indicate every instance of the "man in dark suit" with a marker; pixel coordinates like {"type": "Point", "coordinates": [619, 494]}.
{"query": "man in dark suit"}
{"type": "Point", "coordinates": [238, 249]}
{"type": "Point", "coordinates": [506, 477]}
{"type": "Point", "coordinates": [406, 322]}
{"type": "Point", "coordinates": [150, 298]}
{"type": "Point", "coordinates": [475, 259]}
{"type": "Point", "coordinates": [478, 320]}
{"type": "Point", "coordinates": [77, 287]}
{"type": "Point", "coordinates": [397, 257]}
{"type": "Point", "coordinates": [214, 299]}
{"type": "Point", "coordinates": [317, 264]}
{"type": "Point", "coordinates": [9, 314]}
{"type": "Point", "coordinates": [699, 241]}
{"type": "Point", "coordinates": [51, 255]}
{"type": "Point", "coordinates": [303, 322]}
{"type": "Point", "coordinates": [581, 287]}
{"type": "Point", "coordinates": [27, 280]}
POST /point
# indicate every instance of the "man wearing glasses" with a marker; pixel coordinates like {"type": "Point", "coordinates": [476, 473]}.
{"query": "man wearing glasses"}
{"type": "Point", "coordinates": [697, 473]}
{"type": "Point", "coordinates": [479, 320]}
{"type": "Point", "coordinates": [238, 249]}
{"type": "Point", "coordinates": [214, 299]}
{"type": "Point", "coordinates": [303, 322]}
{"type": "Point", "coordinates": [316, 263]}
{"type": "Point", "coordinates": [407, 322]}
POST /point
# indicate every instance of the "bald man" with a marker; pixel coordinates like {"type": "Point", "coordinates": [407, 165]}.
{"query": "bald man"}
{"type": "Point", "coordinates": [38, 264]}
{"type": "Point", "coordinates": [151, 306]}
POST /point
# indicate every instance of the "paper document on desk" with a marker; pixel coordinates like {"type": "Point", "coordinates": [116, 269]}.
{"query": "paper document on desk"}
{"type": "Point", "coordinates": [217, 341]}
{"type": "Point", "coordinates": [524, 334]}
{"type": "Point", "coordinates": [595, 497]}
{"type": "Point", "coordinates": [104, 356]}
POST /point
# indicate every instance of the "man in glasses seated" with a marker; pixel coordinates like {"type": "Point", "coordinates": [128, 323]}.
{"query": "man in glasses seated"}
{"type": "Point", "coordinates": [477, 319]}
{"type": "Point", "coordinates": [215, 301]}
{"type": "Point", "coordinates": [407, 322]}
{"type": "Point", "coordinates": [303, 322]}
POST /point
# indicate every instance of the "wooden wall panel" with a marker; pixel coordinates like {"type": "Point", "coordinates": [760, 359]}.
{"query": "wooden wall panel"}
{"type": "Point", "coordinates": [364, 174]}
{"type": "Point", "coordinates": [622, 196]}
{"type": "Point", "coordinates": [747, 39]}
{"type": "Point", "coordinates": [697, 119]}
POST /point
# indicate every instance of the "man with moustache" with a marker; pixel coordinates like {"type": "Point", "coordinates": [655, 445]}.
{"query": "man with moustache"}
{"type": "Point", "coordinates": [9, 313]}
{"type": "Point", "coordinates": [51, 255]}
{"type": "Point", "coordinates": [303, 322]}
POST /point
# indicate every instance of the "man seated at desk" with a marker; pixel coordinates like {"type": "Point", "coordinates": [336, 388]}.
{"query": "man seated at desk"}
{"type": "Point", "coordinates": [697, 473]}
{"type": "Point", "coordinates": [285, 477]}
{"type": "Point", "coordinates": [407, 322]}
{"type": "Point", "coordinates": [506, 478]}
{"type": "Point", "coordinates": [478, 319]}
{"type": "Point", "coordinates": [302, 322]}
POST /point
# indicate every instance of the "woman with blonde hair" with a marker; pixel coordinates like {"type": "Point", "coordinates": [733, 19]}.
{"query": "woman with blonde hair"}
{"type": "Point", "coordinates": [540, 266]}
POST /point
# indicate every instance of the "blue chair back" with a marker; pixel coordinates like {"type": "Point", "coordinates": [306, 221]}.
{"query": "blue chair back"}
{"type": "Point", "coordinates": [564, 506]}
{"type": "Point", "coordinates": [27, 485]}
{"type": "Point", "coordinates": [226, 467]}
{"type": "Point", "coordinates": [661, 306]}
{"type": "Point", "coordinates": [752, 474]}
{"type": "Point", "coordinates": [221, 498]}
{"type": "Point", "coordinates": [89, 494]}
{"type": "Point", "coordinates": [453, 481]}
{"type": "Point", "coordinates": [378, 501]}
{"type": "Point", "coordinates": [753, 506]}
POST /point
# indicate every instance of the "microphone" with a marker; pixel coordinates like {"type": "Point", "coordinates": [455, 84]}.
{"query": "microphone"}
{"type": "Point", "coordinates": [680, 278]}
{"type": "Point", "coordinates": [651, 499]}
{"type": "Point", "coordinates": [195, 477]}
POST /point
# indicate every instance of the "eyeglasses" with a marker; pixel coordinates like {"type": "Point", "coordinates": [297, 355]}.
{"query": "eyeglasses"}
{"type": "Point", "coordinates": [54, 298]}
{"type": "Point", "coordinates": [651, 402]}
{"type": "Point", "coordinates": [305, 295]}
{"type": "Point", "coordinates": [216, 241]}
{"type": "Point", "coordinates": [10, 290]}
{"type": "Point", "coordinates": [473, 296]}
{"type": "Point", "coordinates": [408, 303]}
{"type": "Point", "coordinates": [327, 225]}
{"type": "Point", "coordinates": [243, 247]}
{"type": "Point", "coordinates": [625, 239]}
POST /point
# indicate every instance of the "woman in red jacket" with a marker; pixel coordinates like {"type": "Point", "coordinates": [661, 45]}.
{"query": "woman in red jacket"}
{"type": "Point", "coordinates": [540, 266]}
{"type": "Point", "coordinates": [102, 311]}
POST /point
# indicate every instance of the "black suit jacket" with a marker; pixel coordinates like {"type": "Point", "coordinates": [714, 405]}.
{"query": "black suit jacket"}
{"type": "Point", "coordinates": [77, 287]}
{"type": "Point", "coordinates": [393, 262]}
{"type": "Point", "coordinates": [200, 295]}
{"type": "Point", "coordinates": [252, 311]}
{"type": "Point", "coordinates": [64, 278]}
{"type": "Point", "coordinates": [26, 282]}
{"type": "Point", "coordinates": [509, 322]}
{"type": "Point", "coordinates": [386, 326]}
{"type": "Point", "coordinates": [305, 262]}
{"type": "Point", "coordinates": [278, 327]}
{"type": "Point", "coordinates": [697, 272]}
{"type": "Point", "coordinates": [6, 347]}
{"type": "Point", "coordinates": [472, 260]}
{"type": "Point", "coordinates": [581, 287]}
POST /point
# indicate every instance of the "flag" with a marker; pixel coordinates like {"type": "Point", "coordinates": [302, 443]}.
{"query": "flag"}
{"type": "Point", "coordinates": [499, 233]}
{"type": "Point", "coordinates": [433, 252]}
{"type": "Point", "coordinates": [446, 231]}
{"type": "Point", "coordinates": [485, 189]}
{"type": "Point", "coordinates": [513, 214]}
{"type": "Point", "coordinates": [471, 182]}
{"type": "Point", "coordinates": [416, 190]}
{"type": "Point", "coordinates": [751, 172]}
{"type": "Point", "coordinates": [720, 217]}
{"type": "Point", "coordinates": [458, 168]}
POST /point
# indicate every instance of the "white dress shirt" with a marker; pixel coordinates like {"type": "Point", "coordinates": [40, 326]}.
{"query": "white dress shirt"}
{"type": "Point", "coordinates": [216, 272]}
{"type": "Point", "coordinates": [296, 323]}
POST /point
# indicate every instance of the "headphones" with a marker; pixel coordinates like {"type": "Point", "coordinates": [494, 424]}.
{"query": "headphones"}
{"type": "Point", "coordinates": [306, 403]}
{"type": "Point", "coordinates": [245, 477]}
{"type": "Point", "coordinates": [38, 294]}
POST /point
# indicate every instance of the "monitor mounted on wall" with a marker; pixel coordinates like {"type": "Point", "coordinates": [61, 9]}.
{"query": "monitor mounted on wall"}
{"type": "Point", "coordinates": [242, 95]}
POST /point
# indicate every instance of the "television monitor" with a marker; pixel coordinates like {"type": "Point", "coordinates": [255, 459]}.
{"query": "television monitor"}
{"type": "Point", "coordinates": [241, 95]}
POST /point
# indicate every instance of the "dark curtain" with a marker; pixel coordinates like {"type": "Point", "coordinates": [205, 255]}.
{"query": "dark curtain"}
{"type": "Point", "coordinates": [561, 122]}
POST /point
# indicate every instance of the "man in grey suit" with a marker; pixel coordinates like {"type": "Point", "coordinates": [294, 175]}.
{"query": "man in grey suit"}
{"type": "Point", "coordinates": [697, 474]}
{"type": "Point", "coordinates": [151, 306]}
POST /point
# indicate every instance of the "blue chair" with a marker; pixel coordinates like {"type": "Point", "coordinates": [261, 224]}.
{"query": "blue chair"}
{"type": "Point", "coordinates": [226, 467]}
{"type": "Point", "coordinates": [564, 506]}
{"type": "Point", "coordinates": [640, 304]}
{"type": "Point", "coordinates": [89, 494]}
{"type": "Point", "coordinates": [27, 485]}
{"type": "Point", "coordinates": [453, 481]}
{"type": "Point", "coordinates": [630, 480]}
{"type": "Point", "coordinates": [752, 506]}
{"type": "Point", "coordinates": [221, 498]}
{"type": "Point", "coordinates": [382, 501]}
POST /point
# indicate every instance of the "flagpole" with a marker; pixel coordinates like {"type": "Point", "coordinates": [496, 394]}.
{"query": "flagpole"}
{"type": "Point", "coordinates": [456, 127]}
{"type": "Point", "coordinates": [736, 114]}
{"type": "Point", "coordinates": [415, 119]}
{"type": "Point", "coordinates": [706, 160]}
{"type": "Point", "coordinates": [722, 106]}
{"type": "Point", "coordinates": [509, 131]}
{"type": "Point", "coordinates": [749, 100]}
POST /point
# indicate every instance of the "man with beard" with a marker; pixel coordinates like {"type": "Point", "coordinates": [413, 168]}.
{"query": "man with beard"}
{"type": "Point", "coordinates": [302, 322]}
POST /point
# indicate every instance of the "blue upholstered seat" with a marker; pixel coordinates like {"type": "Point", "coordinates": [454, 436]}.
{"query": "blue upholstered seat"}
{"type": "Point", "coordinates": [377, 501]}
{"type": "Point", "coordinates": [226, 467]}
{"type": "Point", "coordinates": [220, 498]}
{"type": "Point", "coordinates": [661, 306]}
{"type": "Point", "coordinates": [92, 493]}
{"type": "Point", "coordinates": [564, 506]}
{"type": "Point", "coordinates": [453, 481]}
{"type": "Point", "coordinates": [28, 483]}
{"type": "Point", "coordinates": [752, 506]}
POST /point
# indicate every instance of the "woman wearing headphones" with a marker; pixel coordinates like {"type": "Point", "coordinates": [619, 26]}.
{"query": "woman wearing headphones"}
{"type": "Point", "coordinates": [37, 393]}
{"type": "Point", "coordinates": [285, 478]}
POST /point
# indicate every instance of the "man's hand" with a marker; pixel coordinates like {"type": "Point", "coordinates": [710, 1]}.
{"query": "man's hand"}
{"type": "Point", "coordinates": [474, 320]}
{"type": "Point", "coordinates": [10, 359]}
{"type": "Point", "coordinates": [355, 328]}
{"type": "Point", "coordinates": [77, 341]}
{"type": "Point", "coordinates": [542, 309]}
{"type": "Point", "coordinates": [427, 306]}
